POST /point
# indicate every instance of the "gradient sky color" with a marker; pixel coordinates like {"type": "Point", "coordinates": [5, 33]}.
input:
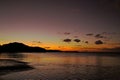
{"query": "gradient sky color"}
{"type": "Point", "coordinates": [48, 23]}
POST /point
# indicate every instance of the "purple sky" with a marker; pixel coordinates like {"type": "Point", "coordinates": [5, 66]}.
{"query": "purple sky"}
{"type": "Point", "coordinates": [47, 21]}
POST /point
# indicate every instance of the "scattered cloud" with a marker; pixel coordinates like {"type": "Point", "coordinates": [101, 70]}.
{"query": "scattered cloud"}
{"type": "Point", "coordinates": [99, 36]}
{"type": "Point", "coordinates": [98, 42]}
{"type": "Point", "coordinates": [77, 40]}
{"type": "Point", "coordinates": [90, 34]}
{"type": "Point", "coordinates": [86, 42]}
{"type": "Point", "coordinates": [67, 33]}
{"type": "Point", "coordinates": [67, 40]}
{"type": "Point", "coordinates": [36, 41]}
{"type": "Point", "coordinates": [75, 36]}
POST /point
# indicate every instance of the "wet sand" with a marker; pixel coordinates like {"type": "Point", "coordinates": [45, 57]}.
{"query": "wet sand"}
{"type": "Point", "coordinates": [9, 66]}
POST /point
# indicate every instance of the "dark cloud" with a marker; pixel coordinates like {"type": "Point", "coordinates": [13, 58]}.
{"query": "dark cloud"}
{"type": "Point", "coordinates": [67, 40]}
{"type": "Point", "coordinates": [77, 40]}
{"type": "Point", "coordinates": [90, 34]}
{"type": "Point", "coordinates": [99, 36]}
{"type": "Point", "coordinates": [98, 42]}
{"type": "Point", "coordinates": [86, 42]}
{"type": "Point", "coordinates": [115, 49]}
{"type": "Point", "coordinates": [37, 42]}
{"type": "Point", "coordinates": [67, 33]}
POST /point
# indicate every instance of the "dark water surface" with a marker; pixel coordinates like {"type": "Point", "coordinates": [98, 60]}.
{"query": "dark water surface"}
{"type": "Point", "coordinates": [65, 66]}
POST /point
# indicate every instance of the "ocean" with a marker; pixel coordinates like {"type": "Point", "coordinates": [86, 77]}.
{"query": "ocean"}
{"type": "Point", "coordinates": [65, 66]}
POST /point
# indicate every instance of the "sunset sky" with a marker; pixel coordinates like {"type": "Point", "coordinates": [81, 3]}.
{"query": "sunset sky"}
{"type": "Point", "coordinates": [82, 25]}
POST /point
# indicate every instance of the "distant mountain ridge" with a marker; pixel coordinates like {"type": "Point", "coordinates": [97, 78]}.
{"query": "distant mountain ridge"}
{"type": "Point", "coordinates": [20, 47]}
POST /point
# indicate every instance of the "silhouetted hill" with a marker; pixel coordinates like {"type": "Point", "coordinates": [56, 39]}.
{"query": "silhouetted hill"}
{"type": "Point", "coordinates": [20, 47]}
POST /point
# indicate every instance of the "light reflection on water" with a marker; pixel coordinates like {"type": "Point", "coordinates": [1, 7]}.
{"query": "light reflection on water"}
{"type": "Point", "coordinates": [66, 66]}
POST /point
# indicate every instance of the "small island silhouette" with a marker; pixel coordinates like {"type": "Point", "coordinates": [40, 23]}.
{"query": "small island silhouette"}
{"type": "Point", "coordinates": [20, 47]}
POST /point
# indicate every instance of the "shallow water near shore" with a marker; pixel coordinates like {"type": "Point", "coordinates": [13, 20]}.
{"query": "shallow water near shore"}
{"type": "Point", "coordinates": [65, 66]}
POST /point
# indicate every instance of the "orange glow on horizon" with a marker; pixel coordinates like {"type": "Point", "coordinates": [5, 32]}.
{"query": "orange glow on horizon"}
{"type": "Point", "coordinates": [68, 47]}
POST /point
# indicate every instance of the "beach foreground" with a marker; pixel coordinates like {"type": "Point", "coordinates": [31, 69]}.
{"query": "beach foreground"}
{"type": "Point", "coordinates": [66, 66]}
{"type": "Point", "coordinates": [10, 66]}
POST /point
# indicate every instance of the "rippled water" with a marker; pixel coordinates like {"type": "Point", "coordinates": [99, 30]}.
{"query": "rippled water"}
{"type": "Point", "coordinates": [65, 66]}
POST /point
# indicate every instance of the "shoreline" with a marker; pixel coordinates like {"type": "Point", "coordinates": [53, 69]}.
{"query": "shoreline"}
{"type": "Point", "coordinates": [9, 66]}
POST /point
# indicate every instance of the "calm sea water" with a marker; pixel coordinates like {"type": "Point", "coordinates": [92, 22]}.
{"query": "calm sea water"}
{"type": "Point", "coordinates": [65, 66]}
